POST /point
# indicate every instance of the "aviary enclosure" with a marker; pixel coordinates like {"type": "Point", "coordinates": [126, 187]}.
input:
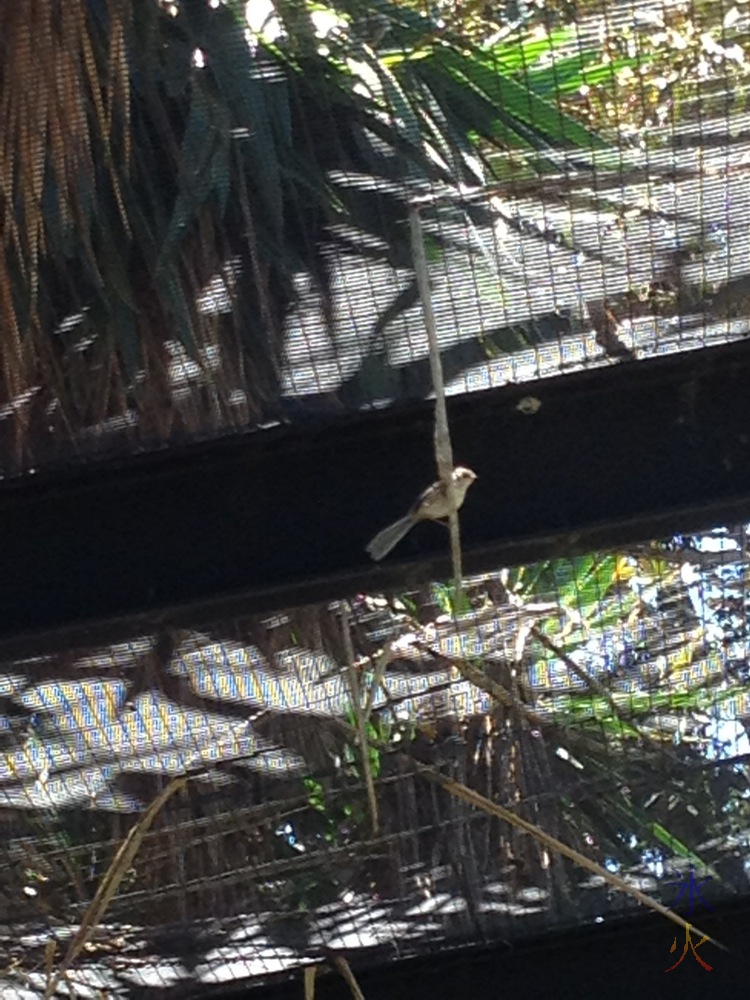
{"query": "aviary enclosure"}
{"type": "Point", "coordinates": [244, 248]}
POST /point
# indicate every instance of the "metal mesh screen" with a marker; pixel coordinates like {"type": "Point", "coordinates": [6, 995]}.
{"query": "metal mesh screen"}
{"type": "Point", "coordinates": [223, 244]}
{"type": "Point", "coordinates": [204, 209]}
{"type": "Point", "coordinates": [602, 698]}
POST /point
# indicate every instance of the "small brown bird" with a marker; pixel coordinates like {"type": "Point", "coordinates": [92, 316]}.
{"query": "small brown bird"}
{"type": "Point", "coordinates": [432, 505]}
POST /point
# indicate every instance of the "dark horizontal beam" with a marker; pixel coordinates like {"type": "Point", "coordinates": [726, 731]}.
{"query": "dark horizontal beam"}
{"type": "Point", "coordinates": [275, 518]}
{"type": "Point", "coordinates": [616, 959]}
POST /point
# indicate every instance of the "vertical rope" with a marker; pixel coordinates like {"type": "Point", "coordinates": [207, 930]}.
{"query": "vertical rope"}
{"type": "Point", "coordinates": [443, 446]}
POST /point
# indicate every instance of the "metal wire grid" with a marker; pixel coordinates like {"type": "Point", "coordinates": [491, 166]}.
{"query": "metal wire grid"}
{"type": "Point", "coordinates": [565, 257]}
{"type": "Point", "coordinates": [619, 729]}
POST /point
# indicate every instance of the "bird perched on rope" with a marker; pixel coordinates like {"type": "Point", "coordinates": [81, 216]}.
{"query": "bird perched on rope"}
{"type": "Point", "coordinates": [433, 504]}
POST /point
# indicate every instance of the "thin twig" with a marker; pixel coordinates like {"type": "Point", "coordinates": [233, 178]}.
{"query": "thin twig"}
{"type": "Point", "coordinates": [111, 881]}
{"type": "Point", "coordinates": [479, 679]}
{"type": "Point", "coordinates": [345, 969]}
{"type": "Point", "coordinates": [466, 794]}
{"type": "Point", "coordinates": [360, 715]}
{"type": "Point", "coordinates": [309, 978]}
{"type": "Point", "coordinates": [382, 660]}
{"type": "Point", "coordinates": [479, 801]}
{"type": "Point", "coordinates": [595, 686]}
{"type": "Point", "coordinates": [501, 694]}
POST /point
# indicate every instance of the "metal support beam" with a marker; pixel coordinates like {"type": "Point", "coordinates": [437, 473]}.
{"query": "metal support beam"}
{"type": "Point", "coordinates": [617, 959]}
{"type": "Point", "coordinates": [269, 519]}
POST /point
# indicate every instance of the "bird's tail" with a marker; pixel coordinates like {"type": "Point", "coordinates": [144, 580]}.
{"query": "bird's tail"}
{"type": "Point", "coordinates": [389, 537]}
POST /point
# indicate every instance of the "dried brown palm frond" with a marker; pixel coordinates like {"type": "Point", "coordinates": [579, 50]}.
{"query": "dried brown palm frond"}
{"type": "Point", "coordinates": [164, 186]}
{"type": "Point", "coordinates": [53, 103]}
{"type": "Point", "coordinates": [107, 246]}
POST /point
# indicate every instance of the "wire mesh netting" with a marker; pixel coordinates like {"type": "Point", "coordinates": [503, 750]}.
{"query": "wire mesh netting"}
{"type": "Point", "coordinates": [205, 216]}
{"type": "Point", "coordinates": [205, 205]}
{"type": "Point", "coordinates": [602, 698]}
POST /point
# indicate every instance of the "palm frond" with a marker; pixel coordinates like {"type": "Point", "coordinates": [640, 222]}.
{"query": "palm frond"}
{"type": "Point", "coordinates": [165, 184]}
